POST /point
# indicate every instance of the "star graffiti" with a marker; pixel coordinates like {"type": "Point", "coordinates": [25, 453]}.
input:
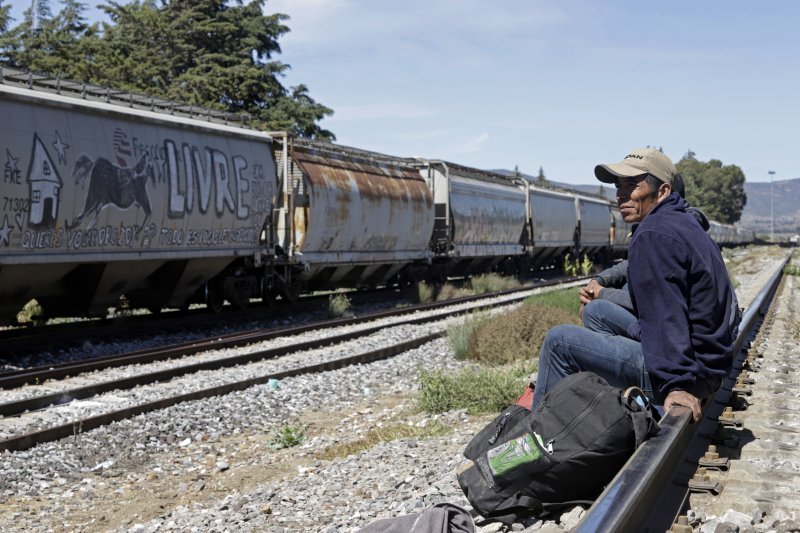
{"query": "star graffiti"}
{"type": "Point", "coordinates": [5, 232]}
{"type": "Point", "coordinates": [61, 148]}
{"type": "Point", "coordinates": [11, 161]}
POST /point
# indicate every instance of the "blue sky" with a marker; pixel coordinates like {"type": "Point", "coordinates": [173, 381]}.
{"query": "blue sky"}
{"type": "Point", "coordinates": [561, 85]}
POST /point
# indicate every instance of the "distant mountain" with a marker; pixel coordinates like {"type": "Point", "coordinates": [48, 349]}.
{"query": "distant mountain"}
{"type": "Point", "coordinates": [756, 214]}
{"type": "Point", "coordinates": [592, 189]}
{"type": "Point", "coordinates": [785, 203]}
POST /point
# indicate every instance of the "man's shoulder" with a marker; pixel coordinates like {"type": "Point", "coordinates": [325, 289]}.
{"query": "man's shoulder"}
{"type": "Point", "coordinates": [669, 222]}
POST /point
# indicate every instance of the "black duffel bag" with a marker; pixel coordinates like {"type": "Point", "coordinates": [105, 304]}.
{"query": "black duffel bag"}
{"type": "Point", "coordinates": [564, 453]}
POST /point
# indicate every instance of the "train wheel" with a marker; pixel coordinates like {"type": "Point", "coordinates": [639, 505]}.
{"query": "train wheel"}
{"type": "Point", "coordinates": [240, 301]}
{"type": "Point", "coordinates": [289, 293]}
{"type": "Point", "coordinates": [215, 298]}
{"type": "Point", "coordinates": [268, 293]}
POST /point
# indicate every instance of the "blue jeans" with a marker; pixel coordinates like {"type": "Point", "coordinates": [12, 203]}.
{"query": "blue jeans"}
{"type": "Point", "coordinates": [607, 317]}
{"type": "Point", "coordinates": [569, 349]}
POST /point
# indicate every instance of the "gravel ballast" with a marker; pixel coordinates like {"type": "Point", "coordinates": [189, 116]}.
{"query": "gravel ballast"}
{"type": "Point", "coordinates": [211, 465]}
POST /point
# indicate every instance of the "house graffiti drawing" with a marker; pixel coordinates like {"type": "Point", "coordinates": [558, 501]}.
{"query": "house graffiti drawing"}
{"type": "Point", "coordinates": [45, 185]}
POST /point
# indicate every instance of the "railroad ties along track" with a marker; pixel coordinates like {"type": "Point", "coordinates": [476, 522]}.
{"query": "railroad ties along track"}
{"type": "Point", "coordinates": [210, 465]}
{"type": "Point", "coordinates": [52, 418]}
{"type": "Point", "coordinates": [740, 466]}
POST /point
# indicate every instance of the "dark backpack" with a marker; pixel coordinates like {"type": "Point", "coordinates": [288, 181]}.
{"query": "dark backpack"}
{"type": "Point", "coordinates": [565, 453]}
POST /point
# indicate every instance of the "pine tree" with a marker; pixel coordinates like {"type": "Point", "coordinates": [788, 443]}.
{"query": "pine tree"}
{"type": "Point", "coordinates": [209, 53]}
{"type": "Point", "coordinates": [57, 48]}
{"type": "Point", "coordinates": [5, 17]}
{"type": "Point", "coordinates": [541, 179]}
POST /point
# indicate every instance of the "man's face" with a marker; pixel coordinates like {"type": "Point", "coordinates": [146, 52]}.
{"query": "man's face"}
{"type": "Point", "coordinates": [635, 198]}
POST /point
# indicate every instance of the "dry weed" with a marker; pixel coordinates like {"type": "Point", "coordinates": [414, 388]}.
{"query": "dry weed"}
{"type": "Point", "coordinates": [516, 335]}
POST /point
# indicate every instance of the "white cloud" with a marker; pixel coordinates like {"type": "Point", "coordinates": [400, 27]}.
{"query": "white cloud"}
{"type": "Point", "coordinates": [471, 145]}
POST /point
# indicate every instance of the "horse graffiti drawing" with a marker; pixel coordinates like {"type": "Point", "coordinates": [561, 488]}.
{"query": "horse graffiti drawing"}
{"type": "Point", "coordinates": [110, 184]}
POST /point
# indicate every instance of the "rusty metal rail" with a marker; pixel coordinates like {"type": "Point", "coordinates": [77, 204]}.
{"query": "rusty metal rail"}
{"type": "Point", "coordinates": [34, 338]}
{"type": "Point", "coordinates": [652, 487]}
{"type": "Point", "coordinates": [45, 435]}
{"type": "Point", "coordinates": [55, 371]}
{"type": "Point", "coordinates": [29, 440]}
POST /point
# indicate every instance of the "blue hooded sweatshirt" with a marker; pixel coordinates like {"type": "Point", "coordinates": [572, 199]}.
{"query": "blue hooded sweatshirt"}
{"type": "Point", "coordinates": [684, 299]}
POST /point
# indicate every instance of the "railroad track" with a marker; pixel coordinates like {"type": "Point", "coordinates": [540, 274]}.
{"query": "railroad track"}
{"type": "Point", "coordinates": [38, 375]}
{"type": "Point", "coordinates": [653, 490]}
{"type": "Point", "coordinates": [61, 430]}
{"type": "Point", "coordinates": [18, 341]}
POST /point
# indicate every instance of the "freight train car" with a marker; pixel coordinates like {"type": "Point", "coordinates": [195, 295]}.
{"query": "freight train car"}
{"type": "Point", "coordinates": [101, 200]}
{"type": "Point", "coordinates": [479, 219]}
{"type": "Point", "coordinates": [594, 227]}
{"type": "Point", "coordinates": [620, 234]}
{"type": "Point", "coordinates": [346, 217]}
{"type": "Point", "coordinates": [552, 225]}
{"type": "Point", "coordinates": [107, 195]}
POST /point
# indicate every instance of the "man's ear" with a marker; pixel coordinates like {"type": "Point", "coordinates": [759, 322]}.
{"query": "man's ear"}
{"type": "Point", "coordinates": [664, 190]}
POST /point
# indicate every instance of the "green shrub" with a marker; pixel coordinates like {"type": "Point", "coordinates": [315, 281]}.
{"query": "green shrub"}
{"type": "Point", "coordinates": [492, 283]}
{"type": "Point", "coordinates": [477, 390]}
{"type": "Point", "coordinates": [586, 265]}
{"type": "Point", "coordinates": [288, 436]}
{"type": "Point", "coordinates": [570, 269]}
{"type": "Point", "coordinates": [460, 335]}
{"type": "Point", "coordinates": [339, 305]}
{"type": "Point", "coordinates": [31, 312]}
{"type": "Point", "coordinates": [583, 265]}
{"type": "Point", "coordinates": [424, 294]}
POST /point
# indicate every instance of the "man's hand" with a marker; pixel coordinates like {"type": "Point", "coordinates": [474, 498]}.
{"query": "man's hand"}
{"type": "Point", "coordinates": [679, 397]}
{"type": "Point", "coordinates": [590, 292]}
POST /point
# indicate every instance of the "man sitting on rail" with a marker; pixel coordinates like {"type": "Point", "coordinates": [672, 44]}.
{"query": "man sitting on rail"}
{"type": "Point", "coordinates": [680, 346]}
{"type": "Point", "coordinates": [606, 305]}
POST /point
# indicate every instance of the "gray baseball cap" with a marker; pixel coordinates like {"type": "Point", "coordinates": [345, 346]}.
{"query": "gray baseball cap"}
{"type": "Point", "coordinates": [639, 162]}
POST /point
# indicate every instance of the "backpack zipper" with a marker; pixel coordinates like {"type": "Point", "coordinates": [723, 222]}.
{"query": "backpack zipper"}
{"type": "Point", "coordinates": [577, 420]}
{"type": "Point", "coordinates": [584, 375]}
{"type": "Point", "coordinates": [500, 426]}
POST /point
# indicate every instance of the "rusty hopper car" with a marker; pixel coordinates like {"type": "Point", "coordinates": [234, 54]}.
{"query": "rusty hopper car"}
{"type": "Point", "coordinates": [101, 199]}
{"type": "Point", "coordinates": [480, 217]}
{"type": "Point", "coordinates": [347, 217]}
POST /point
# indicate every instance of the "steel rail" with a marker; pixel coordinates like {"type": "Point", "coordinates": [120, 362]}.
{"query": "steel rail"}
{"type": "Point", "coordinates": [649, 491]}
{"type": "Point", "coordinates": [20, 340]}
{"type": "Point", "coordinates": [65, 396]}
{"type": "Point", "coordinates": [29, 440]}
{"type": "Point", "coordinates": [41, 374]}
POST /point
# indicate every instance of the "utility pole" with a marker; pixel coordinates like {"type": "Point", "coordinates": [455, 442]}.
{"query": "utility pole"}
{"type": "Point", "coordinates": [771, 209]}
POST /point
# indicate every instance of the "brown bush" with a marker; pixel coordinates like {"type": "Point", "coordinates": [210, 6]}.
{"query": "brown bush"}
{"type": "Point", "coordinates": [516, 335]}
{"type": "Point", "coordinates": [448, 292]}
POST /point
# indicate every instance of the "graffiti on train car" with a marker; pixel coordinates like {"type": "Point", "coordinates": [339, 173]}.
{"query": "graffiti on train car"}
{"type": "Point", "coordinates": [137, 180]}
{"type": "Point", "coordinates": [212, 172]}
